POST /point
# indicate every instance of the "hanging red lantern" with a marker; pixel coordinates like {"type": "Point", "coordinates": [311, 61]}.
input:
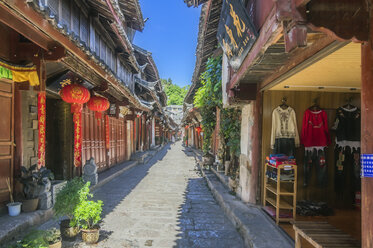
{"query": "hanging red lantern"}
{"type": "Point", "coordinates": [198, 129]}
{"type": "Point", "coordinates": [98, 104]}
{"type": "Point", "coordinates": [186, 126]}
{"type": "Point", "coordinates": [77, 95]}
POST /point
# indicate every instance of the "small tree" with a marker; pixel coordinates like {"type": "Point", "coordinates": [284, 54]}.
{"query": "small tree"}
{"type": "Point", "coordinates": [88, 213]}
{"type": "Point", "coordinates": [74, 192]}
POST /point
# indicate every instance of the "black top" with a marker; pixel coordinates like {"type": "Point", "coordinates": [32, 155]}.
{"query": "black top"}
{"type": "Point", "coordinates": [348, 124]}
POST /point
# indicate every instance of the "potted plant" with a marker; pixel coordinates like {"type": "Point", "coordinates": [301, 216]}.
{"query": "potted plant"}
{"type": "Point", "coordinates": [34, 183]}
{"type": "Point", "coordinates": [88, 214]}
{"type": "Point", "coordinates": [53, 237]}
{"type": "Point", "coordinates": [67, 199]}
{"type": "Point", "coordinates": [34, 239]}
{"type": "Point", "coordinates": [14, 208]}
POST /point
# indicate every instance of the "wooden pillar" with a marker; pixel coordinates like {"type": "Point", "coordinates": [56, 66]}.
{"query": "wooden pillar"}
{"type": "Point", "coordinates": [367, 139]}
{"type": "Point", "coordinates": [256, 148]}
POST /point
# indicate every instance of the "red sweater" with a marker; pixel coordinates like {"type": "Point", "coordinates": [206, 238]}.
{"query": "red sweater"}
{"type": "Point", "coordinates": [315, 131]}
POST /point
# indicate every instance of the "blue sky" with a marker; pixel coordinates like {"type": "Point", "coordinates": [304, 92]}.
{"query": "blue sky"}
{"type": "Point", "coordinates": [170, 35]}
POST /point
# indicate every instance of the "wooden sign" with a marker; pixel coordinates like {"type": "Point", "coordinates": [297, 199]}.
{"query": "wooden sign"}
{"type": "Point", "coordinates": [236, 33]}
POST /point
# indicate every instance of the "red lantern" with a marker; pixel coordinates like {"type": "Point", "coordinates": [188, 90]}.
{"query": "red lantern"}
{"type": "Point", "coordinates": [186, 126]}
{"type": "Point", "coordinates": [75, 94]}
{"type": "Point", "coordinates": [98, 104]}
{"type": "Point", "coordinates": [198, 129]}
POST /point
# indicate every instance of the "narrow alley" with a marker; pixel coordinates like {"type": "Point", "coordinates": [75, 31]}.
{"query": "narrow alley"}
{"type": "Point", "coordinates": [163, 203]}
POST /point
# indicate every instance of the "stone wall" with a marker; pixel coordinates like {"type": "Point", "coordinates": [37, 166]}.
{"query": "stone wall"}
{"type": "Point", "coordinates": [29, 127]}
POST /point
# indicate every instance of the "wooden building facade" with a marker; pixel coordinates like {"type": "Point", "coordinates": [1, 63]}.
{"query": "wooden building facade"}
{"type": "Point", "coordinates": [300, 54]}
{"type": "Point", "coordinates": [46, 45]}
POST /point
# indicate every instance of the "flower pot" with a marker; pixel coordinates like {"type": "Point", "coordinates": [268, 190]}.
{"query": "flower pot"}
{"type": "Point", "coordinates": [90, 236]}
{"type": "Point", "coordinates": [14, 208]}
{"type": "Point", "coordinates": [68, 232]}
{"type": "Point", "coordinates": [30, 205]}
{"type": "Point", "coordinates": [56, 245]}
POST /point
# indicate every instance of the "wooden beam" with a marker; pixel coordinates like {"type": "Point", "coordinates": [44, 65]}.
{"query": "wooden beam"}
{"type": "Point", "coordinates": [245, 92]}
{"type": "Point", "coordinates": [302, 59]}
{"type": "Point", "coordinates": [23, 27]}
{"type": "Point", "coordinates": [346, 19]}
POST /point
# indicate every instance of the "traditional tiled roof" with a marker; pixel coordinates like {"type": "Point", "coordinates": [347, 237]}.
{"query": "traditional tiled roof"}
{"type": "Point", "coordinates": [207, 42]}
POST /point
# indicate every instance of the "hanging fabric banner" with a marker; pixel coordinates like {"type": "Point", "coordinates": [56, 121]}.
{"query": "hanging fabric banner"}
{"type": "Point", "coordinates": [41, 128]}
{"type": "Point", "coordinates": [77, 119]}
{"type": "Point", "coordinates": [19, 73]}
{"type": "Point", "coordinates": [107, 132]}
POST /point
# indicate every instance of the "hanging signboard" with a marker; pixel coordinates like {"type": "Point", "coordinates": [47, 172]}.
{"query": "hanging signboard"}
{"type": "Point", "coordinates": [367, 165]}
{"type": "Point", "coordinates": [236, 33]}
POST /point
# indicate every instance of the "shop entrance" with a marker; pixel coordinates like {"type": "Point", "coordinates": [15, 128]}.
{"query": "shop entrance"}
{"type": "Point", "coordinates": [328, 182]}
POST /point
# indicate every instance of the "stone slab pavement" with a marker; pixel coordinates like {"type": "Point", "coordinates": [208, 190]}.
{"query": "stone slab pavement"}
{"type": "Point", "coordinates": [163, 203]}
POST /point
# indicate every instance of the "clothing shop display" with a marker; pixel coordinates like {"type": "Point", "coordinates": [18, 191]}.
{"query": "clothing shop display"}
{"type": "Point", "coordinates": [347, 126]}
{"type": "Point", "coordinates": [315, 131]}
{"type": "Point", "coordinates": [347, 164]}
{"type": "Point", "coordinates": [284, 135]}
{"type": "Point", "coordinates": [278, 159]}
{"type": "Point", "coordinates": [347, 150]}
{"type": "Point", "coordinates": [315, 158]}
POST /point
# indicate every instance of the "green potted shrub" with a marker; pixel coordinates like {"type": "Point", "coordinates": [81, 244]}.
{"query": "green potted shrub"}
{"type": "Point", "coordinates": [53, 237]}
{"type": "Point", "coordinates": [88, 214]}
{"type": "Point", "coordinates": [34, 239]}
{"type": "Point", "coordinates": [67, 200]}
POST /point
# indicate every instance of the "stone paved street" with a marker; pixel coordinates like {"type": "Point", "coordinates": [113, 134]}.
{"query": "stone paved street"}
{"type": "Point", "coordinates": [164, 203]}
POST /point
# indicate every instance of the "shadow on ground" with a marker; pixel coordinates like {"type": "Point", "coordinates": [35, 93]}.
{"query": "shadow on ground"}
{"type": "Point", "coordinates": [201, 221]}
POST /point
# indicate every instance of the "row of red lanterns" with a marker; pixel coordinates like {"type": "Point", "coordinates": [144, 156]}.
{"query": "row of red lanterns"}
{"type": "Point", "coordinates": [77, 95]}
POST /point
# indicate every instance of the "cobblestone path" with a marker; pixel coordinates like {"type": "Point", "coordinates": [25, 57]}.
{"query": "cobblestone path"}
{"type": "Point", "coordinates": [164, 203]}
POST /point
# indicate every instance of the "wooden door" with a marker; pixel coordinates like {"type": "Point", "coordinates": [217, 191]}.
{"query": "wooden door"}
{"type": "Point", "coordinates": [121, 141]}
{"type": "Point", "coordinates": [93, 139]}
{"type": "Point", "coordinates": [113, 140]}
{"type": "Point", "coordinates": [128, 137]}
{"type": "Point", "coordinates": [6, 137]}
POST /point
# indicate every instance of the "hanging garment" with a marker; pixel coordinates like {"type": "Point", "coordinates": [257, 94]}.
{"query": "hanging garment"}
{"type": "Point", "coordinates": [284, 135]}
{"type": "Point", "coordinates": [347, 171]}
{"type": "Point", "coordinates": [284, 146]}
{"type": "Point", "coordinates": [315, 131]}
{"type": "Point", "coordinates": [347, 126]}
{"type": "Point", "coordinates": [315, 158]}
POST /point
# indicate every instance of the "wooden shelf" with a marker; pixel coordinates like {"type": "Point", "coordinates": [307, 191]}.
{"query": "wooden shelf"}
{"type": "Point", "coordinates": [273, 189]}
{"type": "Point", "coordinates": [286, 181]}
{"type": "Point", "coordinates": [283, 204]}
{"type": "Point", "coordinates": [282, 166]}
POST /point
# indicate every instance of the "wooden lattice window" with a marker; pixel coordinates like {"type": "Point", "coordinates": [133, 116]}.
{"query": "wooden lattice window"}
{"type": "Point", "coordinates": [65, 13]}
{"type": "Point", "coordinates": [53, 6]}
{"type": "Point", "coordinates": [97, 43]}
{"type": "Point", "coordinates": [103, 50]}
{"type": "Point", "coordinates": [75, 19]}
{"type": "Point", "coordinates": [84, 28]}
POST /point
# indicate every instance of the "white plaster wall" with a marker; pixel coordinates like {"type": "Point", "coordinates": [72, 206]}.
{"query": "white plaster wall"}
{"type": "Point", "coordinates": [225, 80]}
{"type": "Point", "coordinates": [247, 123]}
{"type": "Point", "coordinates": [153, 132]}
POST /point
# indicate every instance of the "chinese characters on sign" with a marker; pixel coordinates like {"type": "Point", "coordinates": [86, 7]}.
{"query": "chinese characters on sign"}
{"type": "Point", "coordinates": [367, 165]}
{"type": "Point", "coordinates": [236, 33]}
{"type": "Point", "coordinates": [41, 129]}
{"type": "Point", "coordinates": [77, 118]}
